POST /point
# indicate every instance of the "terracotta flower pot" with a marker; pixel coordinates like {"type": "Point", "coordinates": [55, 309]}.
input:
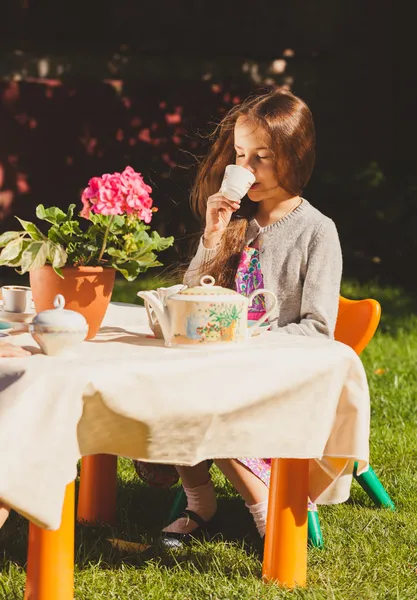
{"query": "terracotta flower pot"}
{"type": "Point", "coordinates": [86, 290]}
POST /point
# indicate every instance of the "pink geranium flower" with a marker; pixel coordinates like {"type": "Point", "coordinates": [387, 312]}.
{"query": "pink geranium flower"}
{"type": "Point", "coordinates": [118, 194]}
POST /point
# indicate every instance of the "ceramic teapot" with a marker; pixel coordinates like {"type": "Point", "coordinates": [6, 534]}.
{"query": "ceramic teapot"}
{"type": "Point", "coordinates": [58, 331]}
{"type": "Point", "coordinates": [206, 314]}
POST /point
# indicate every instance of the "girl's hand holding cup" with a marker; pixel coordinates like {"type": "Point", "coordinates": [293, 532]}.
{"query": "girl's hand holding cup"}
{"type": "Point", "coordinates": [221, 206]}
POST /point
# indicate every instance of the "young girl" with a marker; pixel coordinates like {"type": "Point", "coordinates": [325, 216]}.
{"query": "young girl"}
{"type": "Point", "coordinates": [276, 240]}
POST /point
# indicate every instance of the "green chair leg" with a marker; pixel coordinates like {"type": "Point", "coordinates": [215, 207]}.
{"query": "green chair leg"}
{"type": "Point", "coordinates": [179, 504]}
{"type": "Point", "coordinates": [373, 487]}
{"type": "Point", "coordinates": [315, 537]}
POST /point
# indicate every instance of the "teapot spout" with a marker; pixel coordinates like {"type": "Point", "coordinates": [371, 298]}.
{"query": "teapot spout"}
{"type": "Point", "coordinates": [151, 298]}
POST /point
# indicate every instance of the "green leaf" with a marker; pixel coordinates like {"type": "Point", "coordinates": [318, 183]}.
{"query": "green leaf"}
{"type": "Point", "coordinates": [8, 236]}
{"type": "Point", "coordinates": [58, 272]}
{"type": "Point", "coordinates": [34, 256]}
{"type": "Point", "coordinates": [121, 254]}
{"type": "Point", "coordinates": [57, 255]}
{"type": "Point", "coordinates": [32, 230]}
{"type": "Point", "coordinates": [70, 211]}
{"type": "Point", "coordinates": [11, 251]}
{"type": "Point", "coordinates": [141, 235]}
{"type": "Point", "coordinates": [55, 236]}
{"type": "Point", "coordinates": [53, 214]}
{"type": "Point", "coordinates": [161, 243]}
{"type": "Point", "coordinates": [70, 228]}
{"type": "Point", "coordinates": [101, 220]}
{"type": "Point", "coordinates": [130, 270]}
{"type": "Point", "coordinates": [118, 222]}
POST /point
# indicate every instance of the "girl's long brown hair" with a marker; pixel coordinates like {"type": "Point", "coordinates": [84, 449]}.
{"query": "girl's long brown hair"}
{"type": "Point", "coordinates": [288, 123]}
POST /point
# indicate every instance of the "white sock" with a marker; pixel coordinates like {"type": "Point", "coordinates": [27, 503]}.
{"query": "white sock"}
{"type": "Point", "coordinates": [202, 500]}
{"type": "Point", "coordinates": [259, 512]}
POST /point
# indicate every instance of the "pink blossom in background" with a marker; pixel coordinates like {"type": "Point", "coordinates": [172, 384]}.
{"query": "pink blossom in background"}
{"type": "Point", "coordinates": [168, 160]}
{"type": "Point", "coordinates": [118, 194]}
{"type": "Point", "coordinates": [85, 212]}
{"type": "Point", "coordinates": [11, 93]}
{"type": "Point", "coordinates": [173, 119]}
{"type": "Point", "coordinates": [22, 184]}
{"type": "Point", "coordinates": [144, 135]}
{"type": "Point", "coordinates": [127, 102]}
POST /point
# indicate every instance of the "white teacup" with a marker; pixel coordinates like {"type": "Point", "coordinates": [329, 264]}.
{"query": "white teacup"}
{"type": "Point", "coordinates": [17, 298]}
{"type": "Point", "coordinates": [162, 293]}
{"type": "Point", "coordinates": [236, 182]}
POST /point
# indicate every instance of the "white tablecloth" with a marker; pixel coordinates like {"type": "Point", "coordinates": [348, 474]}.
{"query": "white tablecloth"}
{"type": "Point", "coordinates": [126, 394]}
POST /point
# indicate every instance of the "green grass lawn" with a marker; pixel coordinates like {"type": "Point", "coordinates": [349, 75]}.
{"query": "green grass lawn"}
{"type": "Point", "coordinates": [369, 553]}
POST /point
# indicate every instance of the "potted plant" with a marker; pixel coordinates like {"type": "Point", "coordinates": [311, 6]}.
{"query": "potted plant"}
{"type": "Point", "coordinates": [79, 258]}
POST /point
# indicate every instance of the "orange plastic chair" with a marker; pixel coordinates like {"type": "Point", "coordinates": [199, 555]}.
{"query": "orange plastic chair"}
{"type": "Point", "coordinates": [357, 322]}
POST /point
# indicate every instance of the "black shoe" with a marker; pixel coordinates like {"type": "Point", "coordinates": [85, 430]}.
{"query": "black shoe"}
{"type": "Point", "coordinates": [178, 540]}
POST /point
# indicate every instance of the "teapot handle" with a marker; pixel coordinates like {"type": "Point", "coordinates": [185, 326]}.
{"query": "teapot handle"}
{"type": "Point", "coordinates": [150, 314]}
{"type": "Point", "coordinates": [255, 328]}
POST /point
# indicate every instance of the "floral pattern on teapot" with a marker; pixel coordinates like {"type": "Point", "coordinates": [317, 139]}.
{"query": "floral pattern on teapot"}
{"type": "Point", "coordinates": [211, 322]}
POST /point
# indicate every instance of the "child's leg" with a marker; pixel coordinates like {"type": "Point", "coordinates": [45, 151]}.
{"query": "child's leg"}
{"type": "Point", "coordinates": [201, 498]}
{"type": "Point", "coordinates": [4, 513]}
{"type": "Point", "coordinates": [252, 489]}
{"type": "Point", "coordinates": [193, 477]}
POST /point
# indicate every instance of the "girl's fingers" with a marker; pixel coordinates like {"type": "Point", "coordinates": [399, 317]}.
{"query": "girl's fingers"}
{"type": "Point", "coordinates": [216, 204]}
{"type": "Point", "coordinates": [220, 198]}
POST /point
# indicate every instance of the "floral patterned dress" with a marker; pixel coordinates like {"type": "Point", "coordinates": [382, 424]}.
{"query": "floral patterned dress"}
{"type": "Point", "coordinates": [249, 278]}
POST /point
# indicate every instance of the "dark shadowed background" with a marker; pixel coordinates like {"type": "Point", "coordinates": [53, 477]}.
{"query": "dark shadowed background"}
{"type": "Point", "coordinates": [88, 88]}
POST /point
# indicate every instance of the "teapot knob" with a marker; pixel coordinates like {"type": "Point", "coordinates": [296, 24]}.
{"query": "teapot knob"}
{"type": "Point", "coordinates": [209, 279]}
{"type": "Point", "coordinates": [59, 301]}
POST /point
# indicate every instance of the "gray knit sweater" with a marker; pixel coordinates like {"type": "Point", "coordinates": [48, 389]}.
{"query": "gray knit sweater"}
{"type": "Point", "coordinates": [301, 262]}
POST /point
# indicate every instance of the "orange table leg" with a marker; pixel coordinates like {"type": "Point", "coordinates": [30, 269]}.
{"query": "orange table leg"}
{"type": "Point", "coordinates": [98, 488]}
{"type": "Point", "coordinates": [50, 568]}
{"type": "Point", "coordinates": [285, 553]}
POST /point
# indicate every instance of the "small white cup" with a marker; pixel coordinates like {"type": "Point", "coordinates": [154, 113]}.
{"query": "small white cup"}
{"type": "Point", "coordinates": [17, 298]}
{"type": "Point", "coordinates": [236, 182]}
{"type": "Point", "coordinates": [162, 293]}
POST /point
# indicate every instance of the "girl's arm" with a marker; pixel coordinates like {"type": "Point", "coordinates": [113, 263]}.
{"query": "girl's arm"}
{"type": "Point", "coordinates": [218, 214]}
{"type": "Point", "coordinates": [321, 289]}
{"type": "Point", "coordinates": [196, 268]}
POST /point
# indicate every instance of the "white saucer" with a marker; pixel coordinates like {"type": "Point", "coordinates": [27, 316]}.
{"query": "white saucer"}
{"type": "Point", "coordinates": [13, 317]}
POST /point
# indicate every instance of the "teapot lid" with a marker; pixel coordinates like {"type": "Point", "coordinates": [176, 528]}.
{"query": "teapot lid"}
{"type": "Point", "coordinates": [207, 288]}
{"type": "Point", "coordinates": [60, 317]}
